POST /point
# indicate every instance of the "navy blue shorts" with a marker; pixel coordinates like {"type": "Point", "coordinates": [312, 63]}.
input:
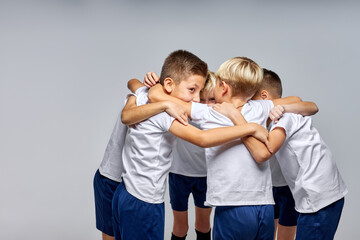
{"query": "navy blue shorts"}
{"type": "Point", "coordinates": [321, 224]}
{"type": "Point", "coordinates": [244, 222]}
{"type": "Point", "coordinates": [284, 208]}
{"type": "Point", "coordinates": [136, 219]}
{"type": "Point", "coordinates": [104, 189]}
{"type": "Point", "coordinates": [181, 186]}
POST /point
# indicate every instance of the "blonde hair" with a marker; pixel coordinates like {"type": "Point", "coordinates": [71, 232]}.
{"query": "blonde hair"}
{"type": "Point", "coordinates": [210, 82]}
{"type": "Point", "coordinates": [242, 74]}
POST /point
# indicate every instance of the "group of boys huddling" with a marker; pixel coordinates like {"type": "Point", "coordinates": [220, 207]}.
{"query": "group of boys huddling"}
{"type": "Point", "coordinates": [244, 122]}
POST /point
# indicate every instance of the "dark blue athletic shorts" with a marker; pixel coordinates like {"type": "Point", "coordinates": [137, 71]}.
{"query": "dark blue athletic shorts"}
{"type": "Point", "coordinates": [321, 224]}
{"type": "Point", "coordinates": [104, 189]}
{"type": "Point", "coordinates": [284, 208]}
{"type": "Point", "coordinates": [244, 222]}
{"type": "Point", "coordinates": [180, 188]}
{"type": "Point", "coordinates": [136, 219]}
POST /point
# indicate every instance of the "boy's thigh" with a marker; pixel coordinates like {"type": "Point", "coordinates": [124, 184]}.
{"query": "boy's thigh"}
{"type": "Point", "coordinates": [136, 219]}
{"type": "Point", "coordinates": [321, 224]}
{"type": "Point", "coordinates": [180, 188]}
{"type": "Point", "coordinates": [244, 222]}
{"type": "Point", "coordinates": [104, 189]}
{"type": "Point", "coordinates": [284, 208]}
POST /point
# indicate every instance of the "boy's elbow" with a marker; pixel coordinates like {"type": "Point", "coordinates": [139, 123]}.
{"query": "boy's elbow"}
{"type": "Point", "coordinates": [262, 156]}
{"type": "Point", "coordinates": [124, 119]}
{"type": "Point", "coordinates": [316, 109]}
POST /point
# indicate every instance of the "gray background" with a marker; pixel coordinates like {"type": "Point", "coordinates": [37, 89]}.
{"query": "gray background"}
{"type": "Point", "coordinates": [64, 67]}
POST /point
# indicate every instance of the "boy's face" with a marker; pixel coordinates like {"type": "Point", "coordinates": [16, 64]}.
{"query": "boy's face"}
{"type": "Point", "coordinates": [189, 89]}
{"type": "Point", "coordinates": [207, 97]}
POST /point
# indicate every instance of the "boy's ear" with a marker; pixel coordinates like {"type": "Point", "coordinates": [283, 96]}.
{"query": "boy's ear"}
{"type": "Point", "coordinates": [169, 85]}
{"type": "Point", "coordinates": [264, 95]}
{"type": "Point", "coordinates": [225, 88]}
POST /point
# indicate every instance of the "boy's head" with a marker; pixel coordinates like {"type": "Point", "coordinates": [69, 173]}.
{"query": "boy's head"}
{"type": "Point", "coordinates": [183, 75]}
{"type": "Point", "coordinates": [238, 77]}
{"type": "Point", "coordinates": [270, 88]}
{"type": "Point", "coordinates": [207, 94]}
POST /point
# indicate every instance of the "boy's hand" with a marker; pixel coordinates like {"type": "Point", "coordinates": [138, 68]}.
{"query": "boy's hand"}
{"type": "Point", "coordinates": [151, 79]}
{"type": "Point", "coordinates": [227, 109]}
{"type": "Point", "coordinates": [276, 113]}
{"type": "Point", "coordinates": [177, 111]}
{"type": "Point", "coordinates": [261, 134]}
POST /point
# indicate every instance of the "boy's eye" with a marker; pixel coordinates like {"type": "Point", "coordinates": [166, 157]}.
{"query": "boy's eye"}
{"type": "Point", "coordinates": [192, 89]}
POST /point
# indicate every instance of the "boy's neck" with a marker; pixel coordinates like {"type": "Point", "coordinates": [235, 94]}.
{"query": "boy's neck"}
{"type": "Point", "coordinates": [238, 102]}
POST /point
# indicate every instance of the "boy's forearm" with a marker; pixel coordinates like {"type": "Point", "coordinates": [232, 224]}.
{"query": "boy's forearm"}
{"type": "Point", "coordinates": [157, 94]}
{"type": "Point", "coordinates": [134, 84]}
{"type": "Point", "coordinates": [211, 137]}
{"type": "Point", "coordinates": [133, 114]}
{"type": "Point", "coordinates": [256, 148]}
{"type": "Point", "coordinates": [302, 108]}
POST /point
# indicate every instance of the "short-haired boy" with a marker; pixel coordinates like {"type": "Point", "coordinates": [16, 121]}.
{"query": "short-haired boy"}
{"type": "Point", "coordinates": [284, 208]}
{"type": "Point", "coordinates": [138, 206]}
{"type": "Point", "coordinates": [311, 173]}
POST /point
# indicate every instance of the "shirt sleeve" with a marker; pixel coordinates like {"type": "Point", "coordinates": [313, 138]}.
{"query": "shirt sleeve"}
{"type": "Point", "coordinates": [164, 121]}
{"type": "Point", "coordinates": [286, 122]}
{"type": "Point", "coordinates": [267, 105]}
{"type": "Point", "coordinates": [142, 96]}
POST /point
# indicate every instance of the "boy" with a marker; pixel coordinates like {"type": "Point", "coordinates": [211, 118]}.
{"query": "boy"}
{"type": "Point", "coordinates": [239, 187]}
{"type": "Point", "coordinates": [188, 175]}
{"type": "Point", "coordinates": [284, 208]}
{"type": "Point", "coordinates": [138, 206]}
{"type": "Point", "coordinates": [109, 174]}
{"type": "Point", "coordinates": [311, 173]}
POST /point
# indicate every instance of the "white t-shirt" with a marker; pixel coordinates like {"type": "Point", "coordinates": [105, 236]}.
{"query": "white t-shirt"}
{"type": "Point", "coordinates": [233, 176]}
{"type": "Point", "coordinates": [147, 155]}
{"type": "Point", "coordinates": [308, 165]}
{"type": "Point", "coordinates": [188, 159]}
{"type": "Point", "coordinates": [277, 177]}
{"type": "Point", "coordinates": [111, 165]}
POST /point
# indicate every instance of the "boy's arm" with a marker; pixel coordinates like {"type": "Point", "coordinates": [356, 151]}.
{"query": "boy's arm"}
{"type": "Point", "coordinates": [134, 84]}
{"type": "Point", "coordinates": [302, 108]}
{"type": "Point", "coordinates": [133, 114]}
{"type": "Point", "coordinates": [261, 151]}
{"type": "Point", "coordinates": [157, 94]}
{"type": "Point", "coordinates": [217, 136]}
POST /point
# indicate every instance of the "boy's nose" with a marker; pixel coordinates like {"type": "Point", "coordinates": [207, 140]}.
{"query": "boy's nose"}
{"type": "Point", "coordinates": [196, 99]}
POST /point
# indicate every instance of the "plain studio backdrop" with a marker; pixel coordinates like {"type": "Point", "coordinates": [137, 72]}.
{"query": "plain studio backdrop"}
{"type": "Point", "coordinates": [64, 67]}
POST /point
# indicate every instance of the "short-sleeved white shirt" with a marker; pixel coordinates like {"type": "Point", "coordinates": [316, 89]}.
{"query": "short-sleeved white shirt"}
{"type": "Point", "coordinates": [277, 177]}
{"type": "Point", "coordinates": [233, 176]}
{"type": "Point", "coordinates": [308, 165]}
{"type": "Point", "coordinates": [188, 159]}
{"type": "Point", "coordinates": [111, 165]}
{"type": "Point", "coordinates": [147, 155]}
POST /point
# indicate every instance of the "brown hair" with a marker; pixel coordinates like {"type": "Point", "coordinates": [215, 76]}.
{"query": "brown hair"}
{"type": "Point", "coordinates": [242, 74]}
{"type": "Point", "coordinates": [271, 83]}
{"type": "Point", "coordinates": [181, 64]}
